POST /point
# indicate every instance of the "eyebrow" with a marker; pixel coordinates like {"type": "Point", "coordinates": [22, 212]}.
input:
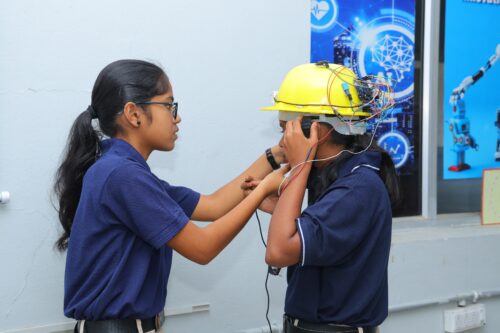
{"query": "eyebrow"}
{"type": "Point", "coordinates": [169, 99]}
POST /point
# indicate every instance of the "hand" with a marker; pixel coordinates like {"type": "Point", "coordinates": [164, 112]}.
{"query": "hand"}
{"type": "Point", "coordinates": [249, 184]}
{"type": "Point", "coordinates": [279, 154]}
{"type": "Point", "coordinates": [295, 145]}
{"type": "Point", "coordinates": [269, 203]}
{"type": "Point", "coordinates": [272, 181]}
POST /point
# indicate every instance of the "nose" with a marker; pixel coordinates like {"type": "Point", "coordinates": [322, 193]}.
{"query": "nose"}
{"type": "Point", "coordinates": [177, 119]}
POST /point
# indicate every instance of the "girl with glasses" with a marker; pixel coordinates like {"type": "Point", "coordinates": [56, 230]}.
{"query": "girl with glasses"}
{"type": "Point", "coordinates": [120, 221]}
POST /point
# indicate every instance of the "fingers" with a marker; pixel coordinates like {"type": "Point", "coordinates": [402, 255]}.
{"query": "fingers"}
{"type": "Point", "coordinates": [297, 125]}
{"type": "Point", "coordinates": [249, 184]}
{"type": "Point", "coordinates": [293, 127]}
{"type": "Point", "coordinates": [314, 132]}
{"type": "Point", "coordinates": [245, 186]}
{"type": "Point", "coordinates": [253, 184]}
{"type": "Point", "coordinates": [288, 128]}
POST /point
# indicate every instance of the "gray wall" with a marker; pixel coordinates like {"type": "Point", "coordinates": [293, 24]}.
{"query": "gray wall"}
{"type": "Point", "coordinates": [432, 262]}
{"type": "Point", "coordinates": [224, 59]}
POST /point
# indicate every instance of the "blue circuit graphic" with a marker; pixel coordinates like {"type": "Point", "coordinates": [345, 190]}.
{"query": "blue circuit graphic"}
{"type": "Point", "coordinates": [374, 38]}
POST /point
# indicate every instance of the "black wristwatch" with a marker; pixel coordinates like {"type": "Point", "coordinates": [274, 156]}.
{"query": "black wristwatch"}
{"type": "Point", "coordinates": [271, 159]}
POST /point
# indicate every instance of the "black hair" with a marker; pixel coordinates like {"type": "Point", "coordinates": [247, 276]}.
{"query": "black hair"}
{"type": "Point", "coordinates": [320, 179]}
{"type": "Point", "coordinates": [118, 83]}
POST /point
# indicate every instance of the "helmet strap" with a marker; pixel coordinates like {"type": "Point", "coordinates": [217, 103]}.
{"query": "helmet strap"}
{"type": "Point", "coordinates": [343, 126]}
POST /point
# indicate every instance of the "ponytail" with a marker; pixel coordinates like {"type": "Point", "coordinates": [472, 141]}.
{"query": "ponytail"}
{"type": "Point", "coordinates": [118, 83]}
{"type": "Point", "coordinates": [390, 177]}
{"type": "Point", "coordinates": [81, 152]}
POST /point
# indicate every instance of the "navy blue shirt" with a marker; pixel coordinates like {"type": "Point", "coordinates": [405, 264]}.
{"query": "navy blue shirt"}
{"type": "Point", "coordinates": [118, 262]}
{"type": "Point", "coordinates": [345, 240]}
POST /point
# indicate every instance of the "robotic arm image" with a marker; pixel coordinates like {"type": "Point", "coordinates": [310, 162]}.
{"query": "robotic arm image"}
{"type": "Point", "coordinates": [497, 124]}
{"type": "Point", "coordinates": [460, 125]}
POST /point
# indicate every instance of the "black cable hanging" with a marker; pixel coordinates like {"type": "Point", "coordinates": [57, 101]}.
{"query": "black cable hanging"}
{"type": "Point", "coordinates": [267, 275]}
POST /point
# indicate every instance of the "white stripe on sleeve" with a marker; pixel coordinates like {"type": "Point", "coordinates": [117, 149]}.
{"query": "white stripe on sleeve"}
{"type": "Point", "coordinates": [303, 243]}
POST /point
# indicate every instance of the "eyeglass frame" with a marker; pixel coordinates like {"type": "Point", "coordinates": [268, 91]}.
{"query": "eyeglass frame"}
{"type": "Point", "coordinates": [174, 106]}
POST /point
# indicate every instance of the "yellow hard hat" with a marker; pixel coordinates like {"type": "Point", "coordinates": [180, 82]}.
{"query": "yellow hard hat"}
{"type": "Point", "coordinates": [317, 89]}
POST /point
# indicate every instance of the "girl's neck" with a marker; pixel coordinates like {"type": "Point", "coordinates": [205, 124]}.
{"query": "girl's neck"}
{"type": "Point", "coordinates": [326, 150]}
{"type": "Point", "coordinates": [134, 142]}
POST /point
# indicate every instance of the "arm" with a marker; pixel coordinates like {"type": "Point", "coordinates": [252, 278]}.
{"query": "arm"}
{"type": "Point", "coordinates": [269, 203]}
{"type": "Point", "coordinates": [201, 245]}
{"type": "Point", "coordinates": [215, 205]}
{"type": "Point", "coordinates": [283, 242]}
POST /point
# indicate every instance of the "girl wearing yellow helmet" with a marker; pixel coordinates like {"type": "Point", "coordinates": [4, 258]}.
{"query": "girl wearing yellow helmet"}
{"type": "Point", "coordinates": [337, 248]}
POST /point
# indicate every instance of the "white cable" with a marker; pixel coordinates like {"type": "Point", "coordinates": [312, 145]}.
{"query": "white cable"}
{"type": "Point", "coordinates": [281, 184]}
{"type": "Point", "coordinates": [348, 123]}
{"type": "Point", "coordinates": [329, 158]}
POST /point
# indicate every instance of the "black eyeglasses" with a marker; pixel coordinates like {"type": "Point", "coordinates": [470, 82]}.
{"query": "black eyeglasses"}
{"type": "Point", "coordinates": [172, 107]}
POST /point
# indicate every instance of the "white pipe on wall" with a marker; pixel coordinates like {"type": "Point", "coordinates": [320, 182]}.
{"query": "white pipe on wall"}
{"type": "Point", "coordinates": [4, 197]}
{"type": "Point", "coordinates": [474, 296]}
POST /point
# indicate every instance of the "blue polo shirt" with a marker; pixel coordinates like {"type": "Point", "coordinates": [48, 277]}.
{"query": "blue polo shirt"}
{"type": "Point", "coordinates": [345, 240]}
{"type": "Point", "coordinates": [118, 262]}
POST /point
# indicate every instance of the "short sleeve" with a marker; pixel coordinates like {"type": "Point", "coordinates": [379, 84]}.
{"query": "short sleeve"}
{"type": "Point", "coordinates": [185, 197]}
{"type": "Point", "coordinates": [138, 200]}
{"type": "Point", "coordinates": [332, 228]}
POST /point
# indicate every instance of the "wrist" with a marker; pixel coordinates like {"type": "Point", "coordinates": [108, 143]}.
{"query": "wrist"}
{"type": "Point", "coordinates": [303, 168]}
{"type": "Point", "coordinates": [303, 158]}
{"type": "Point", "coordinates": [261, 192]}
{"type": "Point", "coordinates": [278, 154]}
{"type": "Point", "coordinates": [271, 159]}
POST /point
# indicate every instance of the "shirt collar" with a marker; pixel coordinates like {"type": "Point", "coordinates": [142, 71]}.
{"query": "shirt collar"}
{"type": "Point", "coordinates": [123, 148]}
{"type": "Point", "coordinates": [371, 159]}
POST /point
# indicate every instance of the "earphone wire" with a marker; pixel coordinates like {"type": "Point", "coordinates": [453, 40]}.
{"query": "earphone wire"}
{"type": "Point", "coordinates": [280, 190]}
{"type": "Point", "coordinates": [267, 275]}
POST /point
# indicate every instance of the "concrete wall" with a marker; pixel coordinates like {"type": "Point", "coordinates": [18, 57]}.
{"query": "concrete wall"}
{"type": "Point", "coordinates": [433, 262]}
{"type": "Point", "coordinates": [224, 59]}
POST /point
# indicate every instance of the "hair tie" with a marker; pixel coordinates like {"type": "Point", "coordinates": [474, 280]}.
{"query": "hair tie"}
{"type": "Point", "coordinates": [92, 112]}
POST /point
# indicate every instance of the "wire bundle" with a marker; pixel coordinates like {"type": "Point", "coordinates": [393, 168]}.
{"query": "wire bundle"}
{"type": "Point", "coordinates": [380, 101]}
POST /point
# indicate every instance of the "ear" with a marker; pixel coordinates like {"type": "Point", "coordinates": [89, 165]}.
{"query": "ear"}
{"type": "Point", "coordinates": [132, 114]}
{"type": "Point", "coordinates": [323, 133]}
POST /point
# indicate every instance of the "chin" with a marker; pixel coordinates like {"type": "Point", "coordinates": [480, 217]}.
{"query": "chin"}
{"type": "Point", "coordinates": [168, 147]}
